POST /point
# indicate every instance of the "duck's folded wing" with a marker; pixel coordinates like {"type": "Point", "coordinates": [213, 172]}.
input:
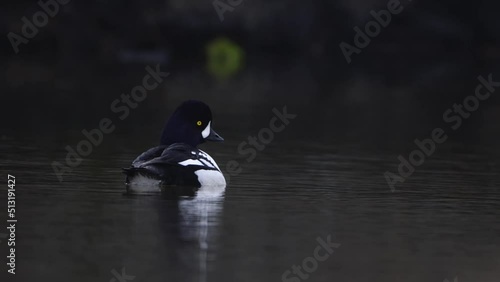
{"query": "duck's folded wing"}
{"type": "Point", "coordinates": [173, 154]}
{"type": "Point", "coordinates": [148, 156]}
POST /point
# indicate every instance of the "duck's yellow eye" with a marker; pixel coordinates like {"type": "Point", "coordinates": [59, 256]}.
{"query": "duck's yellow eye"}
{"type": "Point", "coordinates": [198, 123]}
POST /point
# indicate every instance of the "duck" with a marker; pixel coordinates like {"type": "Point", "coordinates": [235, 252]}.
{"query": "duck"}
{"type": "Point", "coordinates": [177, 161]}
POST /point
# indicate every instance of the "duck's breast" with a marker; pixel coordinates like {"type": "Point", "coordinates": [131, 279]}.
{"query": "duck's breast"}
{"type": "Point", "coordinates": [210, 177]}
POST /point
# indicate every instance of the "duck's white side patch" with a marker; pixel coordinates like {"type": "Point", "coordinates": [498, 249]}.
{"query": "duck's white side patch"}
{"type": "Point", "coordinates": [206, 131]}
{"type": "Point", "coordinates": [191, 162]}
{"type": "Point", "coordinates": [210, 177]}
{"type": "Point", "coordinates": [143, 184]}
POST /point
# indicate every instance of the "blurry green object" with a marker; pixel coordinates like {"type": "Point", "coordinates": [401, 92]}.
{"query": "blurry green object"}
{"type": "Point", "coordinates": [224, 58]}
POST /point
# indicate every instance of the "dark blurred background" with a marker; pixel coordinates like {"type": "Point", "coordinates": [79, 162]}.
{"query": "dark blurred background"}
{"type": "Point", "coordinates": [287, 53]}
{"type": "Point", "coordinates": [323, 175]}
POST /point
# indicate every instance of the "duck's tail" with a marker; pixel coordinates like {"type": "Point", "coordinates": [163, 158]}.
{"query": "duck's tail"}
{"type": "Point", "coordinates": [132, 172]}
{"type": "Point", "coordinates": [128, 170]}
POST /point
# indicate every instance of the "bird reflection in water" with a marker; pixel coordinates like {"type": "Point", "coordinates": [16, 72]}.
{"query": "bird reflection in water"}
{"type": "Point", "coordinates": [193, 216]}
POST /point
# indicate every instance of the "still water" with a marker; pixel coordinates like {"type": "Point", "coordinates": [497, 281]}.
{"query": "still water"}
{"type": "Point", "coordinates": [442, 223]}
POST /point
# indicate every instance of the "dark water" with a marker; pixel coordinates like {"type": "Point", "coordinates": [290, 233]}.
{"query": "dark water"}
{"type": "Point", "coordinates": [320, 180]}
{"type": "Point", "coordinates": [442, 223]}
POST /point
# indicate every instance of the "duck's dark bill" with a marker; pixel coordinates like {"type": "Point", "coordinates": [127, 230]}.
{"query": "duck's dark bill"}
{"type": "Point", "coordinates": [213, 136]}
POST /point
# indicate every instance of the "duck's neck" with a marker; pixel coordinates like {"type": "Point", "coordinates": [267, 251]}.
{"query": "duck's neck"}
{"type": "Point", "coordinates": [174, 132]}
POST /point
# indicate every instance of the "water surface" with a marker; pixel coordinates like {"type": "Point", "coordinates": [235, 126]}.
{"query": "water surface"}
{"type": "Point", "coordinates": [441, 223]}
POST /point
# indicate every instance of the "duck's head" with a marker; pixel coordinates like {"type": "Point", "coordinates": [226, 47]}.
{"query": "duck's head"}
{"type": "Point", "coordinates": [191, 123]}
